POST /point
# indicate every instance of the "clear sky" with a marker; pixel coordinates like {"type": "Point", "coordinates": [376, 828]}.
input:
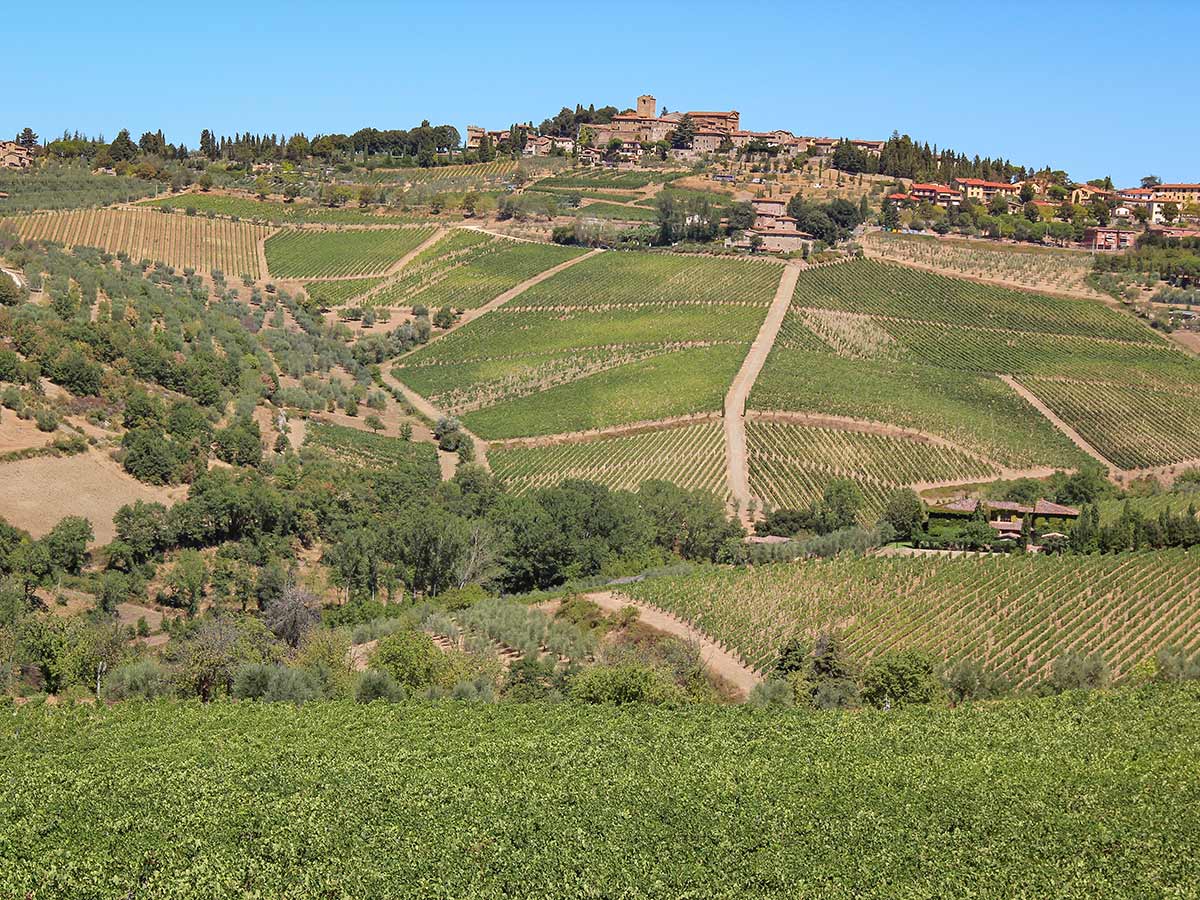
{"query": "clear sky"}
{"type": "Point", "coordinates": [1102, 87]}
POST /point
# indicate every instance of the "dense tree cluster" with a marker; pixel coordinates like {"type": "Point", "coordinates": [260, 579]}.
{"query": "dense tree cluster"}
{"type": "Point", "coordinates": [902, 157]}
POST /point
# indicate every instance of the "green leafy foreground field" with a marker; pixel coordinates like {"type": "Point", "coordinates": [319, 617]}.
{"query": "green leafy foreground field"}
{"type": "Point", "coordinates": [1089, 796]}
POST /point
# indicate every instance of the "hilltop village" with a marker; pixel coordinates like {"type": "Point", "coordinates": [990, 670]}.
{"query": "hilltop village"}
{"type": "Point", "coordinates": [1041, 207]}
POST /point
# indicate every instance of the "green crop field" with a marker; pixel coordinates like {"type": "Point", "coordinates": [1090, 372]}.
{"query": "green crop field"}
{"type": "Point", "coordinates": [338, 293]}
{"type": "Point", "coordinates": [334, 254]}
{"type": "Point", "coordinates": [595, 345]}
{"type": "Point", "coordinates": [1075, 797]}
{"type": "Point", "coordinates": [691, 456]}
{"type": "Point", "coordinates": [923, 350]}
{"type": "Point", "coordinates": [276, 212]}
{"type": "Point", "coordinates": [467, 269]}
{"type": "Point", "coordinates": [790, 465]}
{"type": "Point", "coordinates": [1014, 615]}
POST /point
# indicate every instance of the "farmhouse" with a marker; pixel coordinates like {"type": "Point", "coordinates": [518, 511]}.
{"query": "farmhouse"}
{"type": "Point", "coordinates": [1006, 518]}
{"type": "Point", "coordinates": [14, 156]}
{"type": "Point", "coordinates": [982, 190]}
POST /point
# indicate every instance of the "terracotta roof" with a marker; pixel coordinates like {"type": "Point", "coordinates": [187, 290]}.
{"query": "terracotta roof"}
{"type": "Point", "coordinates": [1041, 508]}
{"type": "Point", "coordinates": [937, 188]}
{"type": "Point", "coordinates": [897, 196]}
{"type": "Point", "coordinates": [1175, 187]}
{"type": "Point", "coordinates": [980, 182]}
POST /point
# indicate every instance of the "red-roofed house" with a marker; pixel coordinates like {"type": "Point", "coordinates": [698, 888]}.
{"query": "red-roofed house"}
{"type": "Point", "coordinates": [1179, 194]}
{"type": "Point", "coordinates": [983, 190]}
{"type": "Point", "coordinates": [1108, 238]}
{"type": "Point", "coordinates": [935, 193]}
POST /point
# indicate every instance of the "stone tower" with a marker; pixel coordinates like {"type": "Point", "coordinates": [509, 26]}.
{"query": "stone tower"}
{"type": "Point", "coordinates": [646, 106]}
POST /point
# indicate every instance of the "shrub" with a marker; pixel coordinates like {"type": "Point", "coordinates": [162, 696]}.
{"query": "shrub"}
{"type": "Point", "coordinates": [410, 657]}
{"type": "Point", "coordinates": [1077, 671]}
{"type": "Point", "coordinates": [625, 683]}
{"type": "Point", "coordinates": [144, 679]}
{"type": "Point", "coordinates": [774, 693]}
{"type": "Point", "coordinates": [46, 419]}
{"type": "Point", "coordinates": [900, 679]}
{"type": "Point", "coordinates": [970, 681]}
{"type": "Point", "coordinates": [375, 685]}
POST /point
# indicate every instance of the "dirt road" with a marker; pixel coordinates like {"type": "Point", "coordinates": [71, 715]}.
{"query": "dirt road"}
{"type": "Point", "coordinates": [718, 660]}
{"type": "Point", "coordinates": [1076, 438]}
{"type": "Point", "coordinates": [739, 392]}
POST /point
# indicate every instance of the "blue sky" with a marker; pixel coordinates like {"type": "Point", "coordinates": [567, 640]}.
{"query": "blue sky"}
{"type": "Point", "coordinates": [1063, 83]}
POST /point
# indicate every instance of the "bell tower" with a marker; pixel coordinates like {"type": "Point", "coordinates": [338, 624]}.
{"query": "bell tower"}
{"type": "Point", "coordinates": [646, 106]}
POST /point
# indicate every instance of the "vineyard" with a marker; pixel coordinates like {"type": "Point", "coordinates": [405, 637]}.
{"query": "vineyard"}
{"type": "Point", "coordinates": [371, 451]}
{"type": "Point", "coordinates": [337, 254]}
{"type": "Point", "coordinates": [277, 213]}
{"type": "Point", "coordinates": [180, 241]}
{"type": "Point", "coordinates": [1076, 797]}
{"type": "Point", "coordinates": [895, 292]}
{"type": "Point", "coordinates": [467, 269]}
{"type": "Point", "coordinates": [691, 456]}
{"type": "Point", "coordinates": [976, 411]}
{"type": "Point", "coordinates": [1133, 427]}
{"type": "Point", "coordinates": [1013, 615]}
{"type": "Point", "coordinates": [790, 465]}
{"type": "Point", "coordinates": [497, 168]}
{"type": "Point", "coordinates": [338, 293]}
{"type": "Point", "coordinates": [1037, 268]}
{"type": "Point", "coordinates": [923, 351]}
{"type": "Point", "coordinates": [617, 213]}
{"type": "Point", "coordinates": [594, 345]}
{"type": "Point", "coordinates": [608, 178]}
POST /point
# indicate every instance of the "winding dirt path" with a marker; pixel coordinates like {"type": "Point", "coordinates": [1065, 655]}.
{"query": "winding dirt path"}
{"type": "Point", "coordinates": [737, 469]}
{"type": "Point", "coordinates": [1076, 438]}
{"type": "Point", "coordinates": [447, 462]}
{"type": "Point", "coordinates": [718, 660]}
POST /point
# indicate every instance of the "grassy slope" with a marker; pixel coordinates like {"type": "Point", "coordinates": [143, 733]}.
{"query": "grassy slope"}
{"type": "Point", "coordinates": [1074, 797]}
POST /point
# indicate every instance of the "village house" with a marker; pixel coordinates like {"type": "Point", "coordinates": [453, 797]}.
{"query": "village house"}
{"type": "Point", "coordinates": [1108, 238]}
{"type": "Point", "coordinates": [708, 141]}
{"type": "Point", "coordinates": [1168, 231]}
{"type": "Point", "coordinates": [767, 210]}
{"type": "Point", "coordinates": [982, 191]}
{"type": "Point", "coordinates": [1179, 194]}
{"type": "Point", "coordinates": [14, 156]}
{"type": "Point", "coordinates": [938, 194]}
{"type": "Point", "coordinates": [875, 148]}
{"type": "Point", "coordinates": [821, 146]}
{"type": "Point", "coordinates": [1082, 194]}
{"type": "Point", "coordinates": [475, 136]}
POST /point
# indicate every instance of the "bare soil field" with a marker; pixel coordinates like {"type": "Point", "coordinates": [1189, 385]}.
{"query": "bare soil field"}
{"type": "Point", "coordinates": [36, 493]}
{"type": "Point", "coordinates": [16, 434]}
